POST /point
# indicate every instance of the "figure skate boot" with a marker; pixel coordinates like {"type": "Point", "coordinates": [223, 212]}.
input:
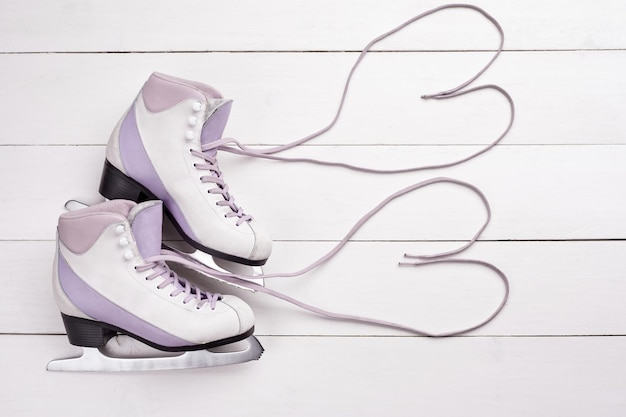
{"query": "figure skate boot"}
{"type": "Point", "coordinates": [109, 279]}
{"type": "Point", "coordinates": [164, 148]}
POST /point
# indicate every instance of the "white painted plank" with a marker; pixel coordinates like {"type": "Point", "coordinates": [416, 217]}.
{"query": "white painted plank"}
{"type": "Point", "coordinates": [561, 98]}
{"type": "Point", "coordinates": [536, 192]}
{"type": "Point", "coordinates": [557, 288]}
{"type": "Point", "coordinates": [339, 376]}
{"type": "Point", "coordinates": [192, 25]}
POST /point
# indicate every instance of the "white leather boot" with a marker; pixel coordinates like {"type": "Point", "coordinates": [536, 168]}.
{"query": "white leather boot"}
{"type": "Point", "coordinates": [161, 149]}
{"type": "Point", "coordinates": [108, 279]}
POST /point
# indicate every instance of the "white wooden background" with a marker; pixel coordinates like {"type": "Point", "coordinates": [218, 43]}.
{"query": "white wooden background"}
{"type": "Point", "coordinates": [70, 68]}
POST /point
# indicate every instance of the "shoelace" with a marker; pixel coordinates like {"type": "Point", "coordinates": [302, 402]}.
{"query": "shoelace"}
{"type": "Point", "coordinates": [422, 260]}
{"type": "Point", "coordinates": [161, 270]}
{"type": "Point", "coordinates": [457, 91]}
{"type": "Point", "coordinates": [215, 177]}
{"type": "Point", "coordinates": [242, 280]}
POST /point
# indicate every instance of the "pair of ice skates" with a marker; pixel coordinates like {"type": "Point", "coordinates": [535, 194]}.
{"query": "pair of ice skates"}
{"type": "Point", "coordinates": [110, 280]}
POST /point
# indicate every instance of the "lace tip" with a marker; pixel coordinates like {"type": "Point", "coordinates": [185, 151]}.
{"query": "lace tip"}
{"type": "Point", "coordinates": [437, 96]}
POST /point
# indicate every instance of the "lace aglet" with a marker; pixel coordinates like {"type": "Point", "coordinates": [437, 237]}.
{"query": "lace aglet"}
{"type": "Point", "coordinates": [422, 257]}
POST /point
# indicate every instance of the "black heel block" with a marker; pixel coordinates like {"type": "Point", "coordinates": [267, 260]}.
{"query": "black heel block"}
{"type": "Point", "coordinates": [86, 333]}
{"type": "Point", "coordinates": [114, 184]}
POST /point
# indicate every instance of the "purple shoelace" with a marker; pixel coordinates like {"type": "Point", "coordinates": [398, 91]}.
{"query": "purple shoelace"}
{"type": "Point", "coordinates": [160, 269]}
{"type": "Point", "coordinates": [215, 177]}
{"type": "Point", "coordinates": [234, 146]}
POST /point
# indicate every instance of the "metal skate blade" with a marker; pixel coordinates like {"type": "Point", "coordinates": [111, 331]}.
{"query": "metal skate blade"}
{"type": "Point", "coordinates": [95, 360]}
{"type": "Point", "coordinates": [223, 266]}
{"type": "Point", "coordinates": [73, 204]}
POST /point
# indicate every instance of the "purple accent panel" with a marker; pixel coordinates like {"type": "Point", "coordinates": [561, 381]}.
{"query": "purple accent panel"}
{"type": "Point", "coordinates": [146, 227]}
{"type": "Point", "coordinates": [213, 128]}
{"type": "Point", "coordinates": [138, 166]}
{"type": "Point", "coordinates": [161, 92]}
{"type": "Point", "coordinates": [133, 154]}
{"type": "Point", "coordinates": [95, 305]}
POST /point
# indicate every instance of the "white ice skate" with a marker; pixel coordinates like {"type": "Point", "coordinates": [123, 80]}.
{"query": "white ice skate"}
{"type": "Point", "coordinates": [110, 279]}
{"type": "Point", "coordinates": [165, 147]}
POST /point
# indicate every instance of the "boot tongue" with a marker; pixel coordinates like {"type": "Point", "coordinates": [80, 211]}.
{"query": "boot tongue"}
{"type": "Point", "coordinates": [146, 220]}
{"type": "Point", "coordinates": [214, 125]}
